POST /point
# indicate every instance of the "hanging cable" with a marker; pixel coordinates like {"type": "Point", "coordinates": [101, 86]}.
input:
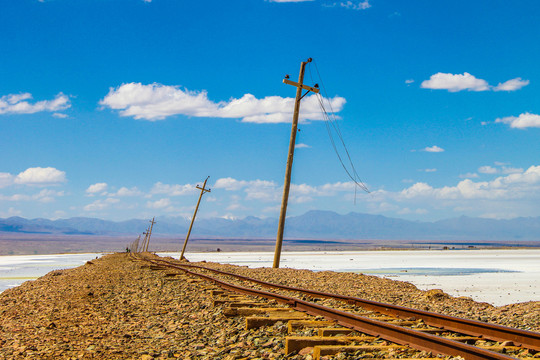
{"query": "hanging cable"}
{"type": "Point", "coordinates": [332, 124]}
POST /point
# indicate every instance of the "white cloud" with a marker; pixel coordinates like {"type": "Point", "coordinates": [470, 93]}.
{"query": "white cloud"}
{"type": "Point", "coordinates": [44, 196]}
{"type": "Point", "coordinates": [487, 170]}
{"type": "Point", "coordinates": [156, 102]}
{"type": "Point", "coordinates": [466, 81]}
{"type": "Point", "coordinates": [124, 191]}
{"type": "Point", "coordinates": [6, 179]}
{"type": "Point", "coordinates": [468, 175]}
{"type": "Point", "coordinates": [18, 104]}
{"type": "Point", "coordinates": [455, 82]}
{"type": "Point", "coordinates": [429, 170]}
{"type": "Point", "coordinates": [41, 176]}
{"type": "Point", "coordinates": [502, 170]}
{"type": "Point", "coordinates": [47, 196]}
{"type": "Point", "coordinates": [511, 170]}
{"type": "Point", "coordinates": [96, 188]}
{"type": "Point", "coordinates": [288, 1]}
{"type": "Point", "coordinates": [60, 115]}
{"type": "Point", "coordinates": [159, 204]}
{"type": "Point", "coordinates": [269, 191]}
{"type": "Point", "coordinates": [513, 186]}
{"type": "Point", "coordinates": [511, 85]}
{"type": "Point", "coordinates": [173, 190]}
{"type": "Point", "coordinates": [96, 206]}
{"type": "Point", "coordinates": [434, 149]}
{"type": "Point", "coordinates": [409, 81]}
{"type": "Point", "coordinates": [301, 146]}
{"type": "Point", "coordinates": [523, 121]}
{"type": "Point", "coordinates": [230, 184]}
{"type": "Point", "coordinates": [356, 5]}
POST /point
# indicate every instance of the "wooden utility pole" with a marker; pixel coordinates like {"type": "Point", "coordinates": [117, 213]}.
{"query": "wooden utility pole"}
{"type": "Point", "coordinates": [282, 214]}
{"type": "Point", "coordinates": [135, 246]}
{"type": "Point", "coordinates": [150, 233]}
{"type": "Point", "coordinates": [144, 240]}
{"type": "Point", "coordinates": [203, 190]}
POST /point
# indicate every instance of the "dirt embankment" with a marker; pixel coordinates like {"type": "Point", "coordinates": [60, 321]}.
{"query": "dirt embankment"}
{"type": "Point", "coordinates": [110, 308]}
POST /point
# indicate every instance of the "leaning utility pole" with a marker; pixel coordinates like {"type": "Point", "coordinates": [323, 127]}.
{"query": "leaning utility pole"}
{"type": "Point", "coordinates": [135, 246]}
{"type": "Point", "coordinates": [203, 190]}
{"type": "Point", "coordinates": [145, 238]}
{"type": "Point", "coordinates": [150, 233]}
{"type": "Point", "coordinates": [299, 86]}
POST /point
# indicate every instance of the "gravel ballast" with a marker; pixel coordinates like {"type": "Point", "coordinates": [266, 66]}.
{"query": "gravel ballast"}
{"type": "Point", "coordinates": [111, 308]}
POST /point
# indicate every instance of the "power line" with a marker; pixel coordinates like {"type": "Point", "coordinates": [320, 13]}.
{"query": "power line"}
{"type": "Point", "coordinates": [331, 123]}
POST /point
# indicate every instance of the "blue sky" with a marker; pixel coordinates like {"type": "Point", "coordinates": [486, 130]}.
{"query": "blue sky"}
{"type": "Point", "coordinates": [116, 109]}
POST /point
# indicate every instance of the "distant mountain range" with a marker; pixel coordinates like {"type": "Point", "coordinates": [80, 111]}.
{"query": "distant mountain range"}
{"type": "Point", "coordinates": [311, 225]}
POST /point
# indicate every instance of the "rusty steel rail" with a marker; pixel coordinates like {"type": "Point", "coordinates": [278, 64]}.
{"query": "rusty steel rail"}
{"type": "Point", "coordinates": [397, 334]}
{"type": "Point", "coordinates": [523, 338]}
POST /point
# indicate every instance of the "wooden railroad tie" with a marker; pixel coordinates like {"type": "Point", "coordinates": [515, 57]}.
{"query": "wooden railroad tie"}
{"type": "Point", "coordinates": [294, 325]}
{"type": "Point", "coordinates": [341, 343]}
{"type": "Point", "coordinates": [271, 311]}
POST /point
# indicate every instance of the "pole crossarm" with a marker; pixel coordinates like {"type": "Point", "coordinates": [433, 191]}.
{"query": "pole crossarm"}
{"type": "Point", "coordinates": [305, 87]}
{"type": "Point", "coordinates": [203, 189]}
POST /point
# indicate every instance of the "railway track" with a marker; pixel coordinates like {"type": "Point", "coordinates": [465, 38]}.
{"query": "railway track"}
{"type": "Point", "coordinates": [421, 330]}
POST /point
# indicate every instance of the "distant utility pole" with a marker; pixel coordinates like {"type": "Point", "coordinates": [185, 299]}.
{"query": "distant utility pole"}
{"type": "Point", "coordinates": [143, 246]}
{"type": "Point", "coordinates": [150, 233]}
{"type": "Point", "coordinates": [135, 246]}
{"type": "Point", "coordinates": [203, 190]}
{"type": "Point", "coordinates": [299, 86]}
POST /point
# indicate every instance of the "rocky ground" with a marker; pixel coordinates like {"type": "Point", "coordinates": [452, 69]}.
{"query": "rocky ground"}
{"type": "Point", "coordinates": [111, 308]}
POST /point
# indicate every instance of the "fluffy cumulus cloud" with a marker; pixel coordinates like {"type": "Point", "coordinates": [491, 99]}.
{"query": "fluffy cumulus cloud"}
{"type": "Point", "coordinates": [466, 81]}
{"type": "Point", "coordinates": [455, 82]}
{"type": "Point", "coordinates": [159, 204]}
{"type": "Point", "coordinates": [124, 191]}
{"type": "Point", "coordinates": [512, 186]}
{"type": "Point", "coordinates": [96, 206]}
{"type": "Point", "coordinates": [522, 121]}
{"type": "Point", "coordinates": [156, 102]}
{"type": "Point", "coordinates": [40, 176]}
{"type": "Point", "coordinates": [262, 190]}
{"type": "Point", "coordinates": [20, 104]}
{"type": "Point", "coordinates": [97, 188]}
{"type": "Point", "coordinates": [511, 85]}
{"type": "Point", "coordinates": [100, 204]}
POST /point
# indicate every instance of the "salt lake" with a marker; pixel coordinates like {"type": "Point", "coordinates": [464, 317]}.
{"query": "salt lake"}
{"type": "Point", "coordinates": [498, 277]}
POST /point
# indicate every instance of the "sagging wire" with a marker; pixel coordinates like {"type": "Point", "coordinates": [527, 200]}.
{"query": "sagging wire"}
{"type": "Point", "coordinates": [331, 123]}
